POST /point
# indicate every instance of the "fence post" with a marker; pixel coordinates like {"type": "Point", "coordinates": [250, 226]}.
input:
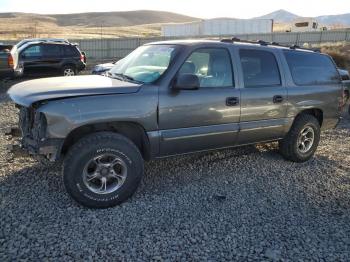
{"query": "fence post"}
{"type": "Point", "coordinates": [138, 42]}
{"type": "Point", "coordinates": [297, 39]}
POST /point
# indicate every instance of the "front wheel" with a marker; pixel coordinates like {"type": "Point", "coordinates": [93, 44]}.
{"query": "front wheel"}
{"type": "Point", "coordinates": [302, 140]}
{"type": "Point", "coordinates": [102, 170]}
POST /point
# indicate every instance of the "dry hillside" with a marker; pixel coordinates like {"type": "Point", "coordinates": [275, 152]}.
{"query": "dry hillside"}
{"type": "Point", "coordinates": [86, 25]}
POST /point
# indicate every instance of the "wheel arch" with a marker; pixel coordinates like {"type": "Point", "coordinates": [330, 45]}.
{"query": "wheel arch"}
{"type": "Point", "coordinates": [133, 131]}
{"type": "Point", "coordinates": [316, 112]}
{"type": "Point", "coordinates": [66, 64]}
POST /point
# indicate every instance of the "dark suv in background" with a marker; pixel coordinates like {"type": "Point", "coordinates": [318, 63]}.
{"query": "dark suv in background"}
{"type": "Point", "coordinates": [48, 58]}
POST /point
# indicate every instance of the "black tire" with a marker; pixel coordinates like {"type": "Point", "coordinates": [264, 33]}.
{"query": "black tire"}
{"type": "Point", "coordinates": [95, 145]}
{"type": "Point", "coordinates": [68, 70]}
{"type": "Point", "coordinates": [289, 147]}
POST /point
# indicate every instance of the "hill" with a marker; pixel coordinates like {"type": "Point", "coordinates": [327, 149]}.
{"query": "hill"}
{"type": "Point", "coordinates": [87, 25]}
{"type": "Point", "coordinates": [343, 19]}
{"type": "Point", "coordinates": [283, 16]}
{"type": "Point", "coordinates": [128, 18]}
{"type": "Point", "coordinates": [280, 16]}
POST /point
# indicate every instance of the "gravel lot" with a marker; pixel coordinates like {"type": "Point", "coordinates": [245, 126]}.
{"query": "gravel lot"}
{"type": "Point", "coordinates": [239, 204]}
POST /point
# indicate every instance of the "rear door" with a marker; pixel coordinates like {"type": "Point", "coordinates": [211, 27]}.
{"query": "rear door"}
{"type": "Point", "coordinates": [207, 118]}
{"type": "Point", "coordinates": [52, 56]}
{"type": "Point", "coordinates": [263, 96]}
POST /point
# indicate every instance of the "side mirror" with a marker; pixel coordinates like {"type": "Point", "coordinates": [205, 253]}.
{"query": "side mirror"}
{"type": "Point", "coordinates": [186, 82]}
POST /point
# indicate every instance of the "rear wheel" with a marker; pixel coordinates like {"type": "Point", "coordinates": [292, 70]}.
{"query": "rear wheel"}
{"type": "Point", "coordinates": [102, 170]}
{"type": "Point", "coordinates": [302, 140]}
{"type": "Point", "coordinates": [69, 70]}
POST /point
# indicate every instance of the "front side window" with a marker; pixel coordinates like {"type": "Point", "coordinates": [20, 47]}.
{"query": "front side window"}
{"type": "Point", "coordinates": [33, 51]}
{"type": "Point", "coordinates": [146, 64]}
{"type": "Point", "coordinates": [260, 68]}
{"type": "Point", "coordinates": [212, 66]}
{"type": "Point", "coordinates": [309, 68]}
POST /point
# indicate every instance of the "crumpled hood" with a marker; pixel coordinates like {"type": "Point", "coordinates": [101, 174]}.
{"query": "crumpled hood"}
{"type": "Point", "coordinates": [28, 92]}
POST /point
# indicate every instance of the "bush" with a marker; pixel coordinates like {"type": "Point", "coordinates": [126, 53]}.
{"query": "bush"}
{"type": "Point", "coordinates": [340, 55]}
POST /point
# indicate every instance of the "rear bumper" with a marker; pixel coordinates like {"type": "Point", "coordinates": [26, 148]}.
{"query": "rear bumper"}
{"type": "Point", "coordinates": [81, 66]}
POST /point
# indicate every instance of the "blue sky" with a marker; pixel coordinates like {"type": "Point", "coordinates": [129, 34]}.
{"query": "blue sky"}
{"type": "Point", "coordinates": [197, 8]}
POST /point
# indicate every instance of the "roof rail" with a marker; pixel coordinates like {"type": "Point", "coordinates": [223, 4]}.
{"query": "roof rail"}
{"type": "Point", "coordinates": [265, 43]}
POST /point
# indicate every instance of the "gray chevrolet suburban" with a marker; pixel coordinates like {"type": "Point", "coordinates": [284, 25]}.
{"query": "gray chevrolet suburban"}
{"type": "Point", "coordinates": [177, 97]}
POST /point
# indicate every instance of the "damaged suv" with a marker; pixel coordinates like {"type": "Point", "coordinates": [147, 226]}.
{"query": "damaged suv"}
{"type": "Point", "coordinates": [176, 97]}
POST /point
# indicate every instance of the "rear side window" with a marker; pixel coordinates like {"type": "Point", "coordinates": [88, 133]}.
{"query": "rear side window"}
{"type": "Point", "coordinates": [260, 68]}
{"type": "Point", "coordinates": [311, 68]}
{"type": "Point", "coordinates": [70, 51]}
{"type": "Point", "coordinates": [51, 50]}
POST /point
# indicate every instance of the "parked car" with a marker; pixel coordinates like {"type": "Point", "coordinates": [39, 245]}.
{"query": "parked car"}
{"type": "Point", "coordinates": [101, 69]}
{"type": "Point", "coordinates": [48, 58]}
{"type": "Point", "coordinates": [6, 61]}
{"type": "Point", "coordinates": [176, 97]}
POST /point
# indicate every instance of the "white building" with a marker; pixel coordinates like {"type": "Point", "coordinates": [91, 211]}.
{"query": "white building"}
{"type": "Point", "coordinates": [219, 26]}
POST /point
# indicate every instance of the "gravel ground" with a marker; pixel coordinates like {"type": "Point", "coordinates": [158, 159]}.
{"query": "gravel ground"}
{"type": "Point", "coordinates": [239, 204]}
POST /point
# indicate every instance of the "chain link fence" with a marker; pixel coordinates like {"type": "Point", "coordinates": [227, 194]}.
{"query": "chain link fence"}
{"type": "Point", "coordinates": [117, 48]}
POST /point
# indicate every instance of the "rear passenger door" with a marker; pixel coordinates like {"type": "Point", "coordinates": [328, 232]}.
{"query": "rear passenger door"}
{"type": "Point", "coordinates": [263, 96]}
{"type": "Point", "coordinates": [51, 57]}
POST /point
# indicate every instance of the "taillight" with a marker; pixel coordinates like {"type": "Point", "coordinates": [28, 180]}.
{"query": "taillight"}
{"type": "Point", "coordinates": [82, 58]}
{"type": "Point", "coordinates": [10, 61]}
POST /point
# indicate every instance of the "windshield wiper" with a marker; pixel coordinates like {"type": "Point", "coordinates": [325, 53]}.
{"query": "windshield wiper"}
{"type": "Point", "coordinates": [123, 77]}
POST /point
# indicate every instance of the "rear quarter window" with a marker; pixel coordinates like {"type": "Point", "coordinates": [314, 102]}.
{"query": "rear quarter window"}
{"type": "Point", "coordinates": [71, 51]}
{"type": "Point", "coordinates": [311, 68]}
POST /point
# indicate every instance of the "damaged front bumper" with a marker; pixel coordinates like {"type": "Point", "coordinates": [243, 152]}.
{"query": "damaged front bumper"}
{"type": "Point", "coordinates": [50, 148]}
{"type": "Point", "coordinates": [33, 127]}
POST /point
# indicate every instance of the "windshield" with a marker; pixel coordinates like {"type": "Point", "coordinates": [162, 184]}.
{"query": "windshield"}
{"type": "Point", "coordinates": [146, 64]}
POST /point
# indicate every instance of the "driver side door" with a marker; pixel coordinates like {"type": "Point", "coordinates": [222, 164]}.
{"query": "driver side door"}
{"type": "Point", "coordinates": [206, 118]}
{"type": "Point", "coordinates": [30, 59]}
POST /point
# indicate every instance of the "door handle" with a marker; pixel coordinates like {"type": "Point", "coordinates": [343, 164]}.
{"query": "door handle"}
{"type": "Point", "coordinates": [232, 101]}
{"type": "Point", "coordinates": [278, 99]}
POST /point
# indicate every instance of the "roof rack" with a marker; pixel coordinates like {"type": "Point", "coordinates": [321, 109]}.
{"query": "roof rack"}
{"type": "Point", "coordinates": [265, 43]}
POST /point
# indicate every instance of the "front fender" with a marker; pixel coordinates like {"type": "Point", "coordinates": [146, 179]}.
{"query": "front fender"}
{"type": "Point", "coordinates": [65, 115]}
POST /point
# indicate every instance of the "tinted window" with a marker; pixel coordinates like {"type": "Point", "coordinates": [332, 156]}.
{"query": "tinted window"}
{"type": "Point", "coordinates": [260, 68]}
{"type": "Point", "coordinates": [311, 68]}
{"type": "Point", "coordinates": [33, 51]}
{"type": "Point", "coordinates": [70, 50]}
{"type": "Point", "coordinates": [212, 66]}
{"type": "Point", "coordinates": [51, 50]}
